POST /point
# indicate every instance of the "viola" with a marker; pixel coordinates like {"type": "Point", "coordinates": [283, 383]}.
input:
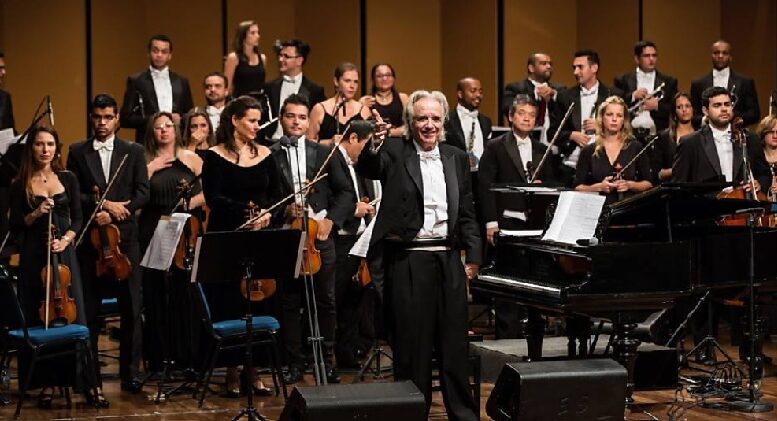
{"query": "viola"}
{"type": "Point", "coordinates": [192, 229]}
{"type": "Point", "coordinates": [106, 239]}
{"type": "Point", "coordinates": [256, 289]}
{"type": "Point", "coordinates": [58, 308]}
{"type": "Point", "coordinates": [362, 276]}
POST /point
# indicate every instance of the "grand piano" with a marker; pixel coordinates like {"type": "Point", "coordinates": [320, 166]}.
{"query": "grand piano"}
{"type": "Point", "coordinates": [650, 249]}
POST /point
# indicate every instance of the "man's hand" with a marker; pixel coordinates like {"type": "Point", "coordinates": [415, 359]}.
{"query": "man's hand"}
{"type": "Point", "coordinates": [471, 270]}
{"type": "Point", "coordinates": [580, 138]}
{"type": "Point", "coordinates": [650, 105]}
{"type": "Point", "coordinates": [589, 125]}
{"type": "Point", "coordinates": [640, 93]}
{"type": "Point", "coordinates": [381, 128]}
{"type": "Point", "coordinates": [491, 234]}
{"type": "Point", "coordinates": [545, 92]}
{"type": "Point", "coordinates": [118, 210]}
{"type": "Point", "coordinates": [324, 228]}
{"type": "Point", "coordinates": [102, 218]}
{"type": "Point", "coordinates": [363, 208]}
{"type": "Point", "coordinates": [176, 118]}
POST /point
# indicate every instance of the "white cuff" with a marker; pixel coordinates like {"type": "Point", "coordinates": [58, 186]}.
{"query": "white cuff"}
{"type": "Point", "coordinates": [492, 224]}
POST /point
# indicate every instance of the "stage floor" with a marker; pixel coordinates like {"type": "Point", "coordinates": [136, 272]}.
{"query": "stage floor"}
{"type": "Point", "coordinates": [126, 406]}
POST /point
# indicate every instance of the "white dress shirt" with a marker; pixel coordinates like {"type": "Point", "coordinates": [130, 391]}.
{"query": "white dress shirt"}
{"type": "Point", "coordinates": [545, 124]}
{"type": "Point", "coordinates": [588, 99]}
{"type": "Point", "coordinates": [648, 81]}
{"type": "Point", "coordinates": [292, 154]}
{"type": "Point", "coordinates": [163, 88]}
{"type": "Point", "coordinates": [105, 150]}
{"type": "Point", "coordinates": [289, 85]}
{"type": "Point", "coordinates": [725, 151]}
{"type": "Point", "coordinates": [524, 150]}
{"type": "Point", "coordinates": [470, 125]}
{"type": "Point", "coordinates": [355, 182]}
{"type": "Point", "coordinates": [214, 115]}
{"type": "Point", "coordinates": [435, 194]}
{"type": "Point", "coordinates": [720, 77]}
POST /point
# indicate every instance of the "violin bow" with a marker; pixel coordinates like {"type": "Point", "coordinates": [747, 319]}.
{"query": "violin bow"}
{"type": "Point", "coordinates": [653, 139]}
{"type": "Point", "coordinates": [552, 142]}
{"type": "Point", "coordinates": [102, 200]}
{"type": "Point", "coordinates": [48, 270]}
{"type": "Point", "coordinates": [280, 202]}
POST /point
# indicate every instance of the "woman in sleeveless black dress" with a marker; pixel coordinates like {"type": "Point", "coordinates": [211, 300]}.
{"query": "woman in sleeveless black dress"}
{"type": "Point", "coordinates": [245, 65]}
{"type": "Point", "coordinates": [386, 99]}
{"type": "Point", "coordinates": [330, 118]}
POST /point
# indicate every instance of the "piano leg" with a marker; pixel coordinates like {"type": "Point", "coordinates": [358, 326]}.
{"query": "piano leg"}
{"type": "Point", "coordinates": [625, 352]}
{"type": "Point", "coordinates": [535, 332]}
{"type": "Point", "coordinates": [578, 335]}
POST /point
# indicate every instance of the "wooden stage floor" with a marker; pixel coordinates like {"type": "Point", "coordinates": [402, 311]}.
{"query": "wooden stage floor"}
{"type": "Point", "coordinates": [126, 406]}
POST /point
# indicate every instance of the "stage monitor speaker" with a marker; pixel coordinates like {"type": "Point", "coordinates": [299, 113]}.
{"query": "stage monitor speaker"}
{"type": "Point", "coordinates": [361, 401]}
{"type": "Point", "coordinates": [579, 390]}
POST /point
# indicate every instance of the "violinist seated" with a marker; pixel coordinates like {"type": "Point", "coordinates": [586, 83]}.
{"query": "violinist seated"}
{"type": "Point", "coordinates": [45, 193]}
{"type": "Point", "coordinates": [112, 266]}
{"type": "Point", "coordinates": [709, 154]}
{"type": "Point", "coordinates": [608, 165]}
{"type": "Point", "coordinates": [511, 158]}
{"type": "Point", "coordinates": [351, 210]}
{"type": "Point", "coordinates": [171, 168]}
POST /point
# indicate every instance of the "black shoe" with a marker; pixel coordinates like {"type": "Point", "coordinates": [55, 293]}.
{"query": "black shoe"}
{"type": "Point", "coordinates": [262, 391]}
{"type": "Point", "coordinates": [133, 386]}
{"type": "Point", "coordinates": [294, 375]}
{"type": "Point", "coordinates": [331, 376]}
{"type": "Point", "coordinates": [97, 400]}
{"type": "Point", "coordinates": [44, 400]}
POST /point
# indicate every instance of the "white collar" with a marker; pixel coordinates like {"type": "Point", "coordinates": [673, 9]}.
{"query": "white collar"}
{"type": "Point", "coordinates": [649, 74]}
{"type": "Point", "coordinates": [108, 143]}
{"type": "Point", "coordinates": [721, 73]}
{"type": "Point", "coordinates": [293, 79]}
{"type": "Point", "coordinates": [163, 72]}
{"type": "Point", "coordinates": [300, 143]}
{"type": "Point", "coordinates": [418, 148]}
{"type": "Point", "coordinates": [721, 135]}
{"type": "Point", "coordinates": [537, 84]}
{"type": "Point", "coordinates": [521, 140]}
{"type": "Point", "coordinates": [462, 110]}
{"type": "Point", "coordinates": [593, 91]}
{"type": "Point", "coordinates": [345, 155]}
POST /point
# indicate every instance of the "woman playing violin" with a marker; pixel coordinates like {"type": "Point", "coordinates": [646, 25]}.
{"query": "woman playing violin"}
{"type": "Point", "coordinates": [238, 175]}
{"type": "Point", "coordinates": [602, 164]}
{"type": "Point", "coordinates": [43, 189]}
{"type": "Point", "coordinates": [169, 163]}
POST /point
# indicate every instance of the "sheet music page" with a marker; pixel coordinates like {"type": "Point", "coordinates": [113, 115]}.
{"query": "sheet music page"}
{"type": "Point", "coordinates": [160, 252]}
{"type": "Point", "coordinates": [576, 217]}
{"type": "Point", "coordinates": [362, 245]}
{"type": "Point", "coordinates": [7, 139]}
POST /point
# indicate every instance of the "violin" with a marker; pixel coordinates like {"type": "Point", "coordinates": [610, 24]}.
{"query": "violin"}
{"type": "Point", "coordinates": [192, 229]}
{"type": "Point", "coordinates": [362, 276]}
{"type": "Point", "coordinates": [58, 308]}
{"type": "Point", "coordinates": [311, 257]}
{"type": "Point", "coordinates": [256, 289]}
{"type": "Point", "coordinates": [106, 239]}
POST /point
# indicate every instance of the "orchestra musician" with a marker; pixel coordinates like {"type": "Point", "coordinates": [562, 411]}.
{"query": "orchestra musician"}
{"type": "Point", "coordinates": [385, 98]}
{"type": "Point", "coordinates": [237, 175]}
{"type": "Point", "coordinates": [245, 65]}
{"type": "Point", "coordinates": [198, 132]}
{"type": "Point", "coordinates": [329, 118]}
{"type": "Point", "coordinates": [296, 164]}
{"type": "Point", "coordinates": [767, 132]}
{"type": "Point", "coordinates": [614, 147]}
{"type": "Point", "coordinates": [44, 187]}
{"type": "Point", "coordinates": [7, 173]}
{"type": "Point", "coordinates": [426, 218]}
{"type": "Point", "coordinates": [680, 124]}
{"type": "Point", "coordinates": [168, 162]}
{"type": "Point", "coordinates": [95, 162]}
{"type": "Point", "coordinates": [467, 128]}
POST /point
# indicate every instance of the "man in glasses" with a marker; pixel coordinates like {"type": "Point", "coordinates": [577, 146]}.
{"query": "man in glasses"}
{"type": "Point", "coordinates": [95, 162]}
{"type": "Point", "coordinates": [292, 55]}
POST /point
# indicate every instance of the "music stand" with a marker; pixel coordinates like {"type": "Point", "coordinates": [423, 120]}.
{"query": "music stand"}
{"type": "Point", "coordinates": [234, 255]}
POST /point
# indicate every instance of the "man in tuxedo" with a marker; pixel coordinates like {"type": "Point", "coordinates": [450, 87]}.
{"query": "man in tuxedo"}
{"type": "Point", "coordinates": [537, 85]}
{"type": "Point", "coordinates": [95, 162]}
{"type": "Point", "coordinates": [307, 156]}
{"type": "Point", "coordinates": [507, 159]}
{"type": "Point", "coordinates": [215, 85]}
{"type": "Point", "coordinates": [350, 217]}
{"type": "Point", "coordinates": [7, 172]}
{"type": "Point", "coordinates": [467, 128]}
{"type": "Point", "coordinates": [426, 218]}
{"type": "Point", "coordinates": [155, 89]}
{"type": "Point", "coordinates": [6, 107]}
{"type": "Point", "coordinates": [653, 115]}
{"type": "Point", "coordinates": [580, 128]}
{"type": "Point", "coordinates": [742, 87]}
{"type": "Point", "coordinates": [292, 56]}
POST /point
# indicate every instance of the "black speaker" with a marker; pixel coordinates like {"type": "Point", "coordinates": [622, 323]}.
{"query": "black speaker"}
{"type": "Point", "coordinates": [362, 401]}
{"type": "Point", "coordinates": [578, 390]}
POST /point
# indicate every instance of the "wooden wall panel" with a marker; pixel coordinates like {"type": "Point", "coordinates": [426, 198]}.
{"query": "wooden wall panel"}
{"type": "Point", "coordinates": [411, 42]}
{"type": "Point", "coordinates": [683, 32]}
{"type": "Point", "coordinates": [469, 49]}
{"type": "Point", "coordinates": [45, 55]}
{"type": "Point", "coordinates": [611, 27]}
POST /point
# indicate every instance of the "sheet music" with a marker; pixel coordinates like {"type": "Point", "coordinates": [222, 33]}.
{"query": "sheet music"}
{"type": "Point", "coordinates": [362, 245]}
{"type": "Point", "coordinates": [576, 217]}
{"type": "Point", "coordinates": [7, 139]}
{"type": "Point", "coordinates": [160, 252]}
{"type": "Point", "coordinates": [520, 233]}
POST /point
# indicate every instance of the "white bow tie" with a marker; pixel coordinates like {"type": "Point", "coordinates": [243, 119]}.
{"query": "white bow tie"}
{"type": "Point", "coordinates": [472, 114]}
{"type": "Point", "coordinates": [522, 142]}
{"type": "Point", "coordinates": [585, 92]}
{"type": "Point", "coordinates": [429, 156]}
{"type": "Point", "coordinates": [289, 79]}
{"type": "Point", "coordinates": [102, 145]}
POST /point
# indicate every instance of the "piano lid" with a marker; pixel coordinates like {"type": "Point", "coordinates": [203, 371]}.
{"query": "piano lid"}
{"type": "Point", "coordinates": [687, 202]}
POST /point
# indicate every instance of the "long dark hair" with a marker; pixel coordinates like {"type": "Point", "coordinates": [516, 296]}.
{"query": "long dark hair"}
{"type": "Point", "coordinates": [186, 130]}
{"type": "Point", "coordinates": [673, 115]}
{"type": "Point", "coordinates": [149, 139]}
{"type": "Point", "coordinates": [393, 74]}
{"type": "Point", "coordinates": [225, 134]}
{"type": "Point", "coordinates": [240, 36]}
{"type": "Point", "coordinates": [29, 166]}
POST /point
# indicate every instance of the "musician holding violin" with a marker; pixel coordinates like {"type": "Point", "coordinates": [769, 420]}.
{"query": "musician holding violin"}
{"type": "Point", "coordinates": [109, 253]}
{"type": "Point", "coordinates": [169, 165]}
{"type": "Point", "coordinates": [239, 177]}
{"type": "Point", "coordinates": [615, 164]}
{"type": "Point", "coordinates": [44, 196]}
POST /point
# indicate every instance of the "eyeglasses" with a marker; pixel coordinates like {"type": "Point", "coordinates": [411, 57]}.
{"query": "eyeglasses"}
{"type": "Point", "coordinates": [107, 117]}
{"type": "Point", "coordinates": [163, 126]}
{"type": "Point", "coordinates": [286, 56]}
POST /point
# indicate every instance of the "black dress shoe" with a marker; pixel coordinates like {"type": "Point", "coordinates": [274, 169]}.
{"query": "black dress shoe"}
{"type": "Point", "coordinates": [133, 386]}
{"type": "Point", "coordinates": [294, 375]}
{"type": "Point", "coordinates": [331, 376]}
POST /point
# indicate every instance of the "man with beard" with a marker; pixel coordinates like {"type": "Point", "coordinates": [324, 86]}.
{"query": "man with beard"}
{"type": "Point", "coordinates": [467, 128]}
{"type": "Point", "coordinates": [215, 85]}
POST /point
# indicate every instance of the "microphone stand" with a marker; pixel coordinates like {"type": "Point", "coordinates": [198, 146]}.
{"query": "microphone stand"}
{"type": "Point", "coordinates": [315, 339]}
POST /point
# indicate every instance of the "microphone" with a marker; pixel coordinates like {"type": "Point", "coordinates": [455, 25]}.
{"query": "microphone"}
{"type": "Point", "coordinates": [289, 141]}
{"type": "Point", "coordinates": [140, 104]}
{"type": "Point", "coordinates": [51, 110]}
{"type": "Point", "coordinates": [277, 47]}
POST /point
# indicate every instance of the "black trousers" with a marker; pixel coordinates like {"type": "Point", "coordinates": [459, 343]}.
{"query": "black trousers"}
{"type": "Point", "coordinates": [128, 293]}
{"type": "Point", "coordinates": [426, 313]}
{"type": "Point", "coordinates": [293, 305]}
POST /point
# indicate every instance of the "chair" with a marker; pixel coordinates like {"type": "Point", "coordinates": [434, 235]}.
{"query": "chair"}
{"type": "Point", "coordinates": [231, 334]}
{"type": "Point", "coordinates": [44, 344]}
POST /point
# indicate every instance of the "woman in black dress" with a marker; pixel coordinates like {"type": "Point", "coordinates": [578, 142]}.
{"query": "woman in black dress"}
{"type": "Point", "coordinates": [244, 66]}
{"type": "Point", "coordinates": [615, 147]}
{"type": "Point", "coordinates": [680, 124]}
{"type": "Point", "coordinates": [329, 119]}
{"type": "Point", "coordinates": [168, 164]}
{"type": "Point", "coordinates": [197, 131]}
{"type": "Point", "coordinates": [43, 189]}
{"type": "Point", "coordinates": [386, 99]}
{"type": "Point", "coordinates": [237, 174]}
